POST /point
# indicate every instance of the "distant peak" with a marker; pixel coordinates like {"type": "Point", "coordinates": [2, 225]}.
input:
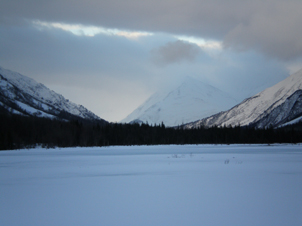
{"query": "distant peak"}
{"type": "Point", "coordinates": [190, 100]}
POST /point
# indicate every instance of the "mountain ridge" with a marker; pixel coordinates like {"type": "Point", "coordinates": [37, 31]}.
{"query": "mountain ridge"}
{"type": "Point", "coordinates": [253, 109]}
{"type": "Point", "coordinates": [23, 95]}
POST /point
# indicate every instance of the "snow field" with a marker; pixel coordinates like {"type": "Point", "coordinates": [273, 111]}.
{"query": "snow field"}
{"type": "Point", "coordinates": [152, 185]}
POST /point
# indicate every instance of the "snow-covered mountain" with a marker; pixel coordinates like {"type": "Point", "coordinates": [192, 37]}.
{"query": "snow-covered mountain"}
{"type": "Point", "coordinates": [274, 106]}
{"type": "Point", "coordinates": [189, 101]}
{"type": "Point", "coordinates": [286, 113]}
{"type": "Point", "coordinates": [22, 95]}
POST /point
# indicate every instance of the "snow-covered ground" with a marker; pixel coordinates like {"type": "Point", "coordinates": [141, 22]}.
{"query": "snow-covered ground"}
{"type": "Point", "coordinates": [152, 185]}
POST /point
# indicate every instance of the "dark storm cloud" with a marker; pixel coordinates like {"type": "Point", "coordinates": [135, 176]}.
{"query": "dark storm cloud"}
{"type": "Point", "coordinates": [174, 52]}
{"type": "Point", "coordinates": [270, 26]}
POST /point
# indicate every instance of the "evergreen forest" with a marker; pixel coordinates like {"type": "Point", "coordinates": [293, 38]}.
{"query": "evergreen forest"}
{"type": "Point", "coordinates": [18, 132]}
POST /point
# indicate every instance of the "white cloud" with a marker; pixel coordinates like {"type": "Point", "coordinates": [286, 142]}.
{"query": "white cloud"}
{"type": "Point", "coordinates": [132, 34]}
{"type": "Point", "coordinates": [76, 29]}
{"type": "Point", "coordinates": [202, 43]}
{"type": "Point", "coordinates": [84, 30]}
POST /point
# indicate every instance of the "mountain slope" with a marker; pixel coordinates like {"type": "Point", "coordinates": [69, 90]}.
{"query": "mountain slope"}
{"type": "Point", "coordinates": [260, 106]}
{"type": "Point", "coordinates": [189, 101]}
{"type": "Point", "coordinates": [22, 95]}
{"type": "Point", "coordinates": [285, 113]}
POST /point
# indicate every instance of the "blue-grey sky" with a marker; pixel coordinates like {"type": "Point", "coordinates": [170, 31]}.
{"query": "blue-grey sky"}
{"type": "Point", "coordinates": [110, 56]}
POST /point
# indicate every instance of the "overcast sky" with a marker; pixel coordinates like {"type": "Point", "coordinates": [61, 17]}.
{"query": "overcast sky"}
{"type": "Point", "coordinates": [110, 56]}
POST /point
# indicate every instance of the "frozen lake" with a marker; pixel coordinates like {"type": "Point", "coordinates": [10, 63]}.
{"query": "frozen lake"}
{"type": "Point", "coordinates": [152, 185]}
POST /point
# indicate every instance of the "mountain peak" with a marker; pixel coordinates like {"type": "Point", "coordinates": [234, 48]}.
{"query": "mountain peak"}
{"type": "Point", "coordinates": [183, 103]}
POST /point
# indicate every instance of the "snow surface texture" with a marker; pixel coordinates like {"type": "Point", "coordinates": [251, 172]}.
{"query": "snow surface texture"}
{"type": "Point", "coordinates": [37, 99]}
{"type": "Point", "coordinates": [188, 102]}
{"type": "Point", "coordinates": [154, 185]}
{"type": "Point", "coordinates": [256, 107]}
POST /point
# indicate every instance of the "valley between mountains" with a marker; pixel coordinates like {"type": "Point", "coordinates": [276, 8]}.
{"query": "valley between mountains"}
{"type": "Point", "coordinates": [192, 104]}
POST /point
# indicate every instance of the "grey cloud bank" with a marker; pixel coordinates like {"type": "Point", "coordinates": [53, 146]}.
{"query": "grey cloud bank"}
{"type": "Point", "coordinates": [265, 25]}
{"type": "Point", "coordinates": [111, 75]}
{"type": "Point", "coordinates": [174, 52]}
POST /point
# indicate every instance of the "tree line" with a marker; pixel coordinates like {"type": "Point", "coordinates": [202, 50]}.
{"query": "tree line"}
{"type": "Point", "coordinates": [18, 131]}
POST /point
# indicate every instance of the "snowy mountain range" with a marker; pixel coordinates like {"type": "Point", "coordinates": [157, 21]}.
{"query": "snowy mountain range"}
{"type": "Point", "coordinates": [278, 105]}
{"type": "Point", "coordinates": [189, 101]}
{"type": "Point", "coordinates": [22, 95]}
{"type": "Point", "coordinates": [191, 104]}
